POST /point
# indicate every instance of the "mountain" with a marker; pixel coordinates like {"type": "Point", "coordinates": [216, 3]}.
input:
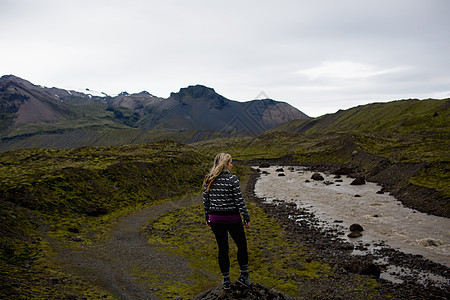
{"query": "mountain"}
{"type": "Point", "coordinates": [28, 110]}
{"type": "Point", "coordinates": [199, 108]}
{"type": "Point", "coordinates": [23, 102]}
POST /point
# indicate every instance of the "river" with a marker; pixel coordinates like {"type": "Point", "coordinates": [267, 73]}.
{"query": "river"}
{"type": "Point", "coordinates": [337, 203]}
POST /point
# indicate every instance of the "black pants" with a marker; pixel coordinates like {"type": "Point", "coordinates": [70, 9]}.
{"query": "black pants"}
{"type": "Point", "coordinates": [238, 235]}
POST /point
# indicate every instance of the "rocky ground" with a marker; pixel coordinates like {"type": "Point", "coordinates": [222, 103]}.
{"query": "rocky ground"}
{"type": "Point", "coordinates": [327, 246]}
{"type": "Point", "coordinates": [237, 291]}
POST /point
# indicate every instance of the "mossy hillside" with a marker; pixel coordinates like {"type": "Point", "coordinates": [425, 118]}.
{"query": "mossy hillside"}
{"type": "Point", "coordinates": [65, 183]}
{"type": "Point", "coordinates": [437, 177]}
{"type": "Point", "coordinates": [93, 116]}
{"type": "Point", "coordinates": [275, 260]}
{"type": "Point", "coordinates": [428, 149]}
{"type": "Point", "coordinates": [30, 274]}
{"type": "Point", "coordinates": [407, 147]}
{"type": "Point", "coordinates": [51, 190]}
{"type": "Point", "coordinates": [339, 148]}
{"type": "Point", "coordinates": [265, 146]}
{"type": "Point", "coordinates": [26, 268]}
{"type": "Point", "coordinates": [101, 136]}
{"type": "Point", "coordinates": [396, 116]}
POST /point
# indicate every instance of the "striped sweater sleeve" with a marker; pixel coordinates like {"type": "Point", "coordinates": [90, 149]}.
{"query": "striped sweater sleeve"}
{"type": "Point", "coordinates": [206, 204]}
{"type": "Point", "coordinates": [238, 199]}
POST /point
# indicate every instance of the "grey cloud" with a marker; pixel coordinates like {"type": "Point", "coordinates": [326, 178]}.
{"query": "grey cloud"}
{"type": "Point", "coordinates": [240, 48]}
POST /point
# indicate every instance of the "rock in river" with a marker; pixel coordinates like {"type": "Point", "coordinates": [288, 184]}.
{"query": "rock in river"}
{"type": "Point", "coordinates": [358, 181]}
{"type": "Point", "coordinates": [317, 176]}
{"type": "Point", "coordinates": [356, 227]}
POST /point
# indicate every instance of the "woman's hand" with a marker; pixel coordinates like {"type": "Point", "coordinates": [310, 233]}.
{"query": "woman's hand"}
{"type": "Point", "coordinates": [247, 225]}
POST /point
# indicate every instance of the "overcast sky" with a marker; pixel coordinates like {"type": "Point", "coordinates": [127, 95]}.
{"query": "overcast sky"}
{"type": "Point", "coordinates": [319, 55]}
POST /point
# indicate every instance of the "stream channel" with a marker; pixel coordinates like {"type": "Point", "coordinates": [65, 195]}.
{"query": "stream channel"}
{"type": "Point", "coordinates": [337, 204]}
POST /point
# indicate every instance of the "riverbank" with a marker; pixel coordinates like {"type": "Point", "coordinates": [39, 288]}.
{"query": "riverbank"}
{"type": "Point", "coordinates": [328, 246]}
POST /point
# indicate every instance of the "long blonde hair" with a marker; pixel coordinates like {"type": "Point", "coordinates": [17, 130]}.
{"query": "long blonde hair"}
{"type": "Point", "coordinates": [220, 162]}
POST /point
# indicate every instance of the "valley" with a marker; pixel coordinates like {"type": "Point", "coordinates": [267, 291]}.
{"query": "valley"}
{"type": "Point", "coordinates": [90, 175]}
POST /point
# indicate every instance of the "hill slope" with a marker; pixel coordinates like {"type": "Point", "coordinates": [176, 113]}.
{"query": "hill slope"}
{"type": "Point", "coordinates": [44, 193]}
{"type": "Point", "coordinates": [396, 116]}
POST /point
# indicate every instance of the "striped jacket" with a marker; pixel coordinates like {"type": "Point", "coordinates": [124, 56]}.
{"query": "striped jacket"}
{"type": "Point", "coordinates": [225, 197]}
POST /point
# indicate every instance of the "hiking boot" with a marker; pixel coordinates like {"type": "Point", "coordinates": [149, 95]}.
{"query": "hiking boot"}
{"type": "Point", "coordinates": [244, 280]}
{"type": "Point", "coordinates": [226, 284]}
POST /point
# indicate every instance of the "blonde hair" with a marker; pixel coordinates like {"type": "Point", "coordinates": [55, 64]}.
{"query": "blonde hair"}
{"type": "Point", "coordinates": [220, 162]}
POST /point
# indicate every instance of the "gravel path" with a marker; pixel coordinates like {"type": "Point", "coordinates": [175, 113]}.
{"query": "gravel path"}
{"type": "Point", "coordinates": [125, 263]}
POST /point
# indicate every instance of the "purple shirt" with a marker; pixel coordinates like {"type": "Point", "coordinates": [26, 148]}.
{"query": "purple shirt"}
{"type": "Point", "coordinates": [228, 219]}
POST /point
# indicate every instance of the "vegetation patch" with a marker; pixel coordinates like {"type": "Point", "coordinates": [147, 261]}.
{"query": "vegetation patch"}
{"type": "Point", "coordinates": [71, 196]}
{"type": "Point", "coordinates": [274, 259]}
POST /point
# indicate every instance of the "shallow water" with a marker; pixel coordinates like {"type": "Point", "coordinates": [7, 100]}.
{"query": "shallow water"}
{"type": "Point", "coordinates": [382, 216]}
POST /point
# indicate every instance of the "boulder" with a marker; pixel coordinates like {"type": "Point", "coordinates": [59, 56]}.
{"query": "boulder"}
{"type": "Point", "coordinates": [281, 174]}
{"type": "Point", "coordinates": [237, 291]}
{"type": "Point", "coordinates": [356, 227]}
{"type": "Point", "coordinates": [358, 181]}
{"type": "Point", "coordinates": [264, 165]}
{"type": "Point", "coordinates": [279, 170]}
{"type": "Point", "coordinates": [317, 176]}
{"type": "Point", "coordinates": [363, 268]}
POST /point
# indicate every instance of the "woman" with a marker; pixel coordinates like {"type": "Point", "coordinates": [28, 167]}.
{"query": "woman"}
{"type": "Point", "coordinates": [223, 201]}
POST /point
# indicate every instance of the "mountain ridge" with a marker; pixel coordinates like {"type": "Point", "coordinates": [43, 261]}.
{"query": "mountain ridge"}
{"type": "Point", "coordinates": [31, 109]}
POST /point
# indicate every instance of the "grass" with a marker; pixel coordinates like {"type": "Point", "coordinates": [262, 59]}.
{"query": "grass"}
{"type": "Point", "coordinates": [275, 260]}
{"type": "Point", "coordinates": [436, 177]}
{"type": "Point", "coordinates": [44, 192]}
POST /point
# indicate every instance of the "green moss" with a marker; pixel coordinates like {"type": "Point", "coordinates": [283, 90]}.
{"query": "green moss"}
{"type": "Point", "coordinates": [437, 177]}
{"type": "Point", "coordinates": [44, 192]}
{"type": "Point", "coordinates": [366, 288]}
{"type": "Point", "coordinates": [407, 147]}
{"type": "Point", "coordinates": [274, 260]}
{"type": "Point", "coordinates": [397, 116]}
{"type": "Point", "coordinates": [67, 181]}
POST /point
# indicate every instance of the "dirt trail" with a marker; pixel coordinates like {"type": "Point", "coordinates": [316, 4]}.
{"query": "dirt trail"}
{"type": "Point", "coordinates": [125, 263]}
